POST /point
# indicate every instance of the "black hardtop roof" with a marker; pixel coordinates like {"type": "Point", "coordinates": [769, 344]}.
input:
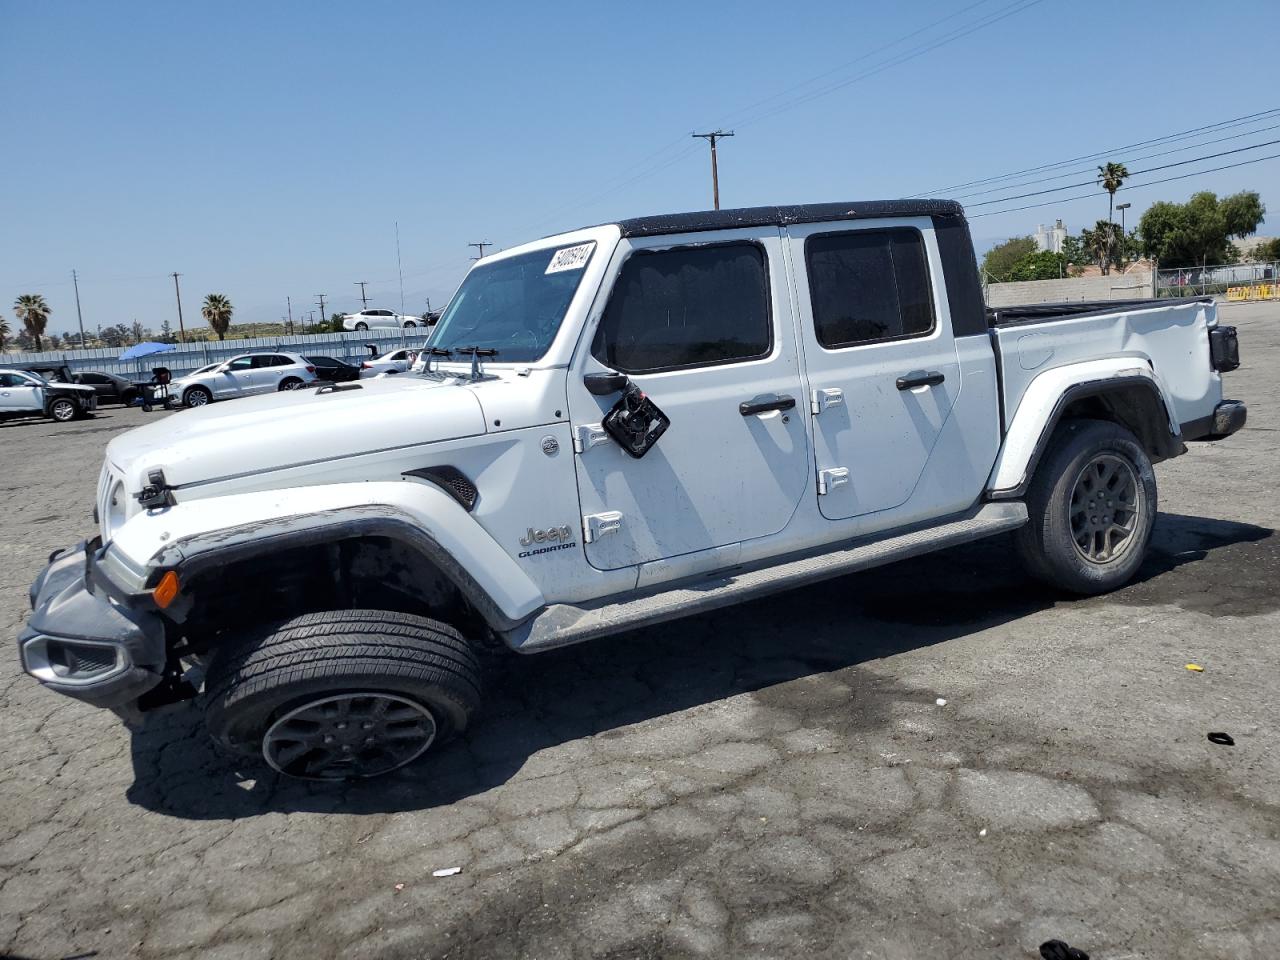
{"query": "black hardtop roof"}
{"type": "Point", "coordinates": [783, 215]}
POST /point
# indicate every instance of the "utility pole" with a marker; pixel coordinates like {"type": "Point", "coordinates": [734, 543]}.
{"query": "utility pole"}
{"type": "Point", "coordinates": [363, 298]}
{"type": "Point", "coordinates": [480, 247]}
{"type": "Point", "coordinates": [182, 331]}
{"type": "Point", "coordinates": [323, 319]}
{"type": "Point", "coordinates": [289, 304]}
{"type": "Point", "coordinates": [399, 268]}
{"type": "Point", "coordinates": [76, 280]}
{"type": "Point", "coordinates": [715, 173]}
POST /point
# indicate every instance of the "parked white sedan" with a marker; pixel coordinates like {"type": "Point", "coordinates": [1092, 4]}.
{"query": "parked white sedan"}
{"type": "Point", "coordinates": [243, 376]}
{"type": "Point", "coordinates": [374, 319]}
{"type": "Point", "coordinates": [396, 361]}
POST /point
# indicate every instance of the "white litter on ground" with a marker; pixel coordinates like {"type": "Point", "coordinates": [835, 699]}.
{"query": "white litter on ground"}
{"type": "Point", "coordinates": [446, 872]}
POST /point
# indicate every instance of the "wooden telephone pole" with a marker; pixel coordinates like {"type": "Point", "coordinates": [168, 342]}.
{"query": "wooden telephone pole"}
{"type": "Point", "coordinates": [715, 173]}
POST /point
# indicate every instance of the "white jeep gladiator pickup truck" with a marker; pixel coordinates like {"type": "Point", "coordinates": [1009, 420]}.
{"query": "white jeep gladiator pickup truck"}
{"type": "Point", "coordinates": [616, 426]}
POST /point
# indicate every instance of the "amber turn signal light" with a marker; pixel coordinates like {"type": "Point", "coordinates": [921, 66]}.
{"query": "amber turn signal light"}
{"type": "Point", "coordinates": [166, 590]}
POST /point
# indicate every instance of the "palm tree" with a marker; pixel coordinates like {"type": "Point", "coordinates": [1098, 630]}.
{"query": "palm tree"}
{"type": "Point", "coordinates": [4, 331]}
{"type": "Point", "coordinates": [217, 313]}
{"type": "Point", "coordinates": [1111, 178]}
{"type": "Point", "coordinates": [34, 314]}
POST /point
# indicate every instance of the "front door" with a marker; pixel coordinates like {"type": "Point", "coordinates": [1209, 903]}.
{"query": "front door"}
{"type": "Point", "coordinates": [705, 330]}
{"type": "Point", "coordinates": [881, 361]}
{"type": "Point", "coordinates": [237, 380]}
{"type": "Point", "coordinates": [17, 393]}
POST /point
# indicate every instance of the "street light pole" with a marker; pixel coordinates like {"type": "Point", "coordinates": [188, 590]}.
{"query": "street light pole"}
{"type": "Point", "coordinates": [1124, 255]}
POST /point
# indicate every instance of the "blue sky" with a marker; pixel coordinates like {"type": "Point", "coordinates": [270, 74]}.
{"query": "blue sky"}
{"type": "Point", "coordinates": [266, 150]}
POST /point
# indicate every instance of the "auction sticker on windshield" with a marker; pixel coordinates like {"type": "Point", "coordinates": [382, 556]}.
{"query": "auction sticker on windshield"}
{"type": "Point", "coordinates": [571, 258]}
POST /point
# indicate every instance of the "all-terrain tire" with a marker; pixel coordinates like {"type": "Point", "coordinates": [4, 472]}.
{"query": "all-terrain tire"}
{"type": "Point", "coordinates": [282, 667]}
{"type": "Point", "coordinates": [1092, 505]}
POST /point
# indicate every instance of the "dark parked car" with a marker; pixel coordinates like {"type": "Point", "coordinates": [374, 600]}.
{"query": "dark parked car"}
{"type": "Point", "coordinates": [334, 371]}
{"type": "Point", "coordinates": [109, 387]}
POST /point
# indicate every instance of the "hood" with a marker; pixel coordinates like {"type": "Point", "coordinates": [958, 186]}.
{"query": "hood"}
{"type": "Point", "coordinates": [78, 387]}
{"type": "Point", "coordinates": [276, 430]}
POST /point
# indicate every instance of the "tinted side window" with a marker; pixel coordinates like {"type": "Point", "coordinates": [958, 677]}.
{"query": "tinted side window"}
{"type": "Point", "coordinates": [869, 285]}
{"type": "Point", "coordinates": [241, 363]}
{"type": "Point", "coordinates": [687, 307]}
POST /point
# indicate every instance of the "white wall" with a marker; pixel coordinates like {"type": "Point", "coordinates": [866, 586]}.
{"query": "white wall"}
{"type": "Point", "coordinates": [1133, 285]}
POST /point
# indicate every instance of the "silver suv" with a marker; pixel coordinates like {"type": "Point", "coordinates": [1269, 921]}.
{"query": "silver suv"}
{"type": "Point", "coordinates": [243, 376]}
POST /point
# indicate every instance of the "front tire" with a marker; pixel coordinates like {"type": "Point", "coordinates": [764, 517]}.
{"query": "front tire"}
{"type": "Point", "coordinates": [197, 397]}
{"type": "Point", "coordinates": [362, 327]}
{"type": "Point", "coordinates": [63, 410]}
{"type": "Point", "coordinates": [1092, 506]}
{"type": "Point", "coordinates": [344, 694]}
{"type": "Point", "coordinates": [409, 324]}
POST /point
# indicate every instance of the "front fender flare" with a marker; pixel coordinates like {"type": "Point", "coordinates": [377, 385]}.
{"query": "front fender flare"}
{"type": "Point", "coordinates": [192, 536]}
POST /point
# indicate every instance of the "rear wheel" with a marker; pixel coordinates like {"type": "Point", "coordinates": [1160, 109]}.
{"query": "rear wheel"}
{"type": "Point", "coordinates": [290, 383]}
{"type": "Point", "coordinates": [63, 409]}
{"type": "Point", "coordinates": [1092, 506]}
{"type": "Point", "coordinates": [197, 396]}
{"type": "Point", "coordinates": [344, 694]}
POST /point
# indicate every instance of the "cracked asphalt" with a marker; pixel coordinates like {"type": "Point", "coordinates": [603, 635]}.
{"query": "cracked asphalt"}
{"type": "Point", "coordinates": [776, 779]}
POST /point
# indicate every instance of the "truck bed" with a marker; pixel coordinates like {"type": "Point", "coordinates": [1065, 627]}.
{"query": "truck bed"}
{"type": "Point", "coordinates": [1170, 335]}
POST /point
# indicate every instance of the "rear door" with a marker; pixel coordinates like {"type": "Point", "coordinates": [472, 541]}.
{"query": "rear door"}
{"type": "Point", "coordinates": [702, 328]}
{"type": "Point", "coordinates": [882, 366]}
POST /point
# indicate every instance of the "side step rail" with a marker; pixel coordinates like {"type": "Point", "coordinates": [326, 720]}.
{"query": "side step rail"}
{"type": "Point", "coordinates": [562, 624]}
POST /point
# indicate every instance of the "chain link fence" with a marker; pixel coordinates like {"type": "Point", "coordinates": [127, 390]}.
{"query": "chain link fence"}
{"type": "Point", "coordinates": [186, 357]}
{"type": "Point", "coordinates": [1235, 282]}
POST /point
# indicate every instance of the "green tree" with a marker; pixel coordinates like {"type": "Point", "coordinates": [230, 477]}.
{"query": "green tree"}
{"type": "Point", "coordinates": [115, 336]}
{"type": "Point", "coordinates": [32, 310]}
{"type": "Point", "coordinates": [1267, 250]}
{"type": "Point", "coordinates": [999, 261]}
{"type": "Point", "coordinates": [1111, 177]}
{"type": "Point", "coordinates": [1200, 230]}
{"type": "Point", "coordinates": [4, 331]}
{"type": "Point", "coordinates": [1041, 265]}
{"type": "Point", "coordinates": [217, 313]}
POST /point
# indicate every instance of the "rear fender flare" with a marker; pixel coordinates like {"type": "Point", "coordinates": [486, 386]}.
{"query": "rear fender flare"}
{"type": "Point", "coordinates": [1046, 399]}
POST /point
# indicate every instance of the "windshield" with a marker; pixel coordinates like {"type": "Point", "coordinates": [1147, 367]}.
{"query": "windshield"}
{"type": "Point", "coordinates": [514, 306]}
{"type": "Point", "coordinates": [35, 376]}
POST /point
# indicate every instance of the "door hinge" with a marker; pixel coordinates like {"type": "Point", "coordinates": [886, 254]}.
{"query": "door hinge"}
{"type": "Point", "coordinates": [597, 525]}
{"type": "Point", "coordinates": [588, 435]}
{"type": "Point", "coordinates": [828, 480]}
{"type": "Point", "coordinates": [825, 397]}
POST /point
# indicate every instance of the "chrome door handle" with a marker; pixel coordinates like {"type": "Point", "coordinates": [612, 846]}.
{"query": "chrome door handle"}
{"type": "Point", "coordinates": [920, 378]}
{"type": "Point", "coordinates": [764, 404]}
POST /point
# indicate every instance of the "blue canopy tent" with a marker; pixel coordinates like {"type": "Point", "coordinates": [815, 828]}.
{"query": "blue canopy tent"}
{"type": "Point", "coordinates": [149, 349]}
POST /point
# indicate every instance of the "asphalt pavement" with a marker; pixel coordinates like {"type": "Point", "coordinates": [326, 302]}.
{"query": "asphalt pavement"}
{"type": "Point", "coordinates": [782, 778]}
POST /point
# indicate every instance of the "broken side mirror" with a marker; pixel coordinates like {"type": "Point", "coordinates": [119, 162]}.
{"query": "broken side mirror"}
{"type": "Point", "coordinates": [605, 384]}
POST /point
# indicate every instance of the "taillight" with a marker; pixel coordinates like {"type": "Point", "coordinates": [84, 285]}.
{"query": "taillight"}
{"type": "Point", "coordinates": [365, 366]}
{"type": "Point", "coordinates": [311, 369]}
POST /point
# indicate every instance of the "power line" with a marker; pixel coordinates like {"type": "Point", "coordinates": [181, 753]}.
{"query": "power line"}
{"type": "Point", "coordinates": [1135, 173]}
{"type": "Point", "coordinates": [1138, 186]}
{"type": "Point", "coordinates": [1018, 6]}
{"type": "Point", "coordinates": [1148, 156]}
{"type": "Point", "coordinates": [1222, 124]}
{"type": "Point", "coordinates": [973, 26]}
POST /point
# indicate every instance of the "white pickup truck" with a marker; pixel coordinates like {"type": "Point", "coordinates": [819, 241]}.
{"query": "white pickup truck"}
{"type": "Point", "coordinates": [617, 426]}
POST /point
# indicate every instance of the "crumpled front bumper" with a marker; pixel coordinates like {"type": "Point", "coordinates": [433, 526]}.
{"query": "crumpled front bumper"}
{"type": "Point", "coordinates": [85, 644]}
